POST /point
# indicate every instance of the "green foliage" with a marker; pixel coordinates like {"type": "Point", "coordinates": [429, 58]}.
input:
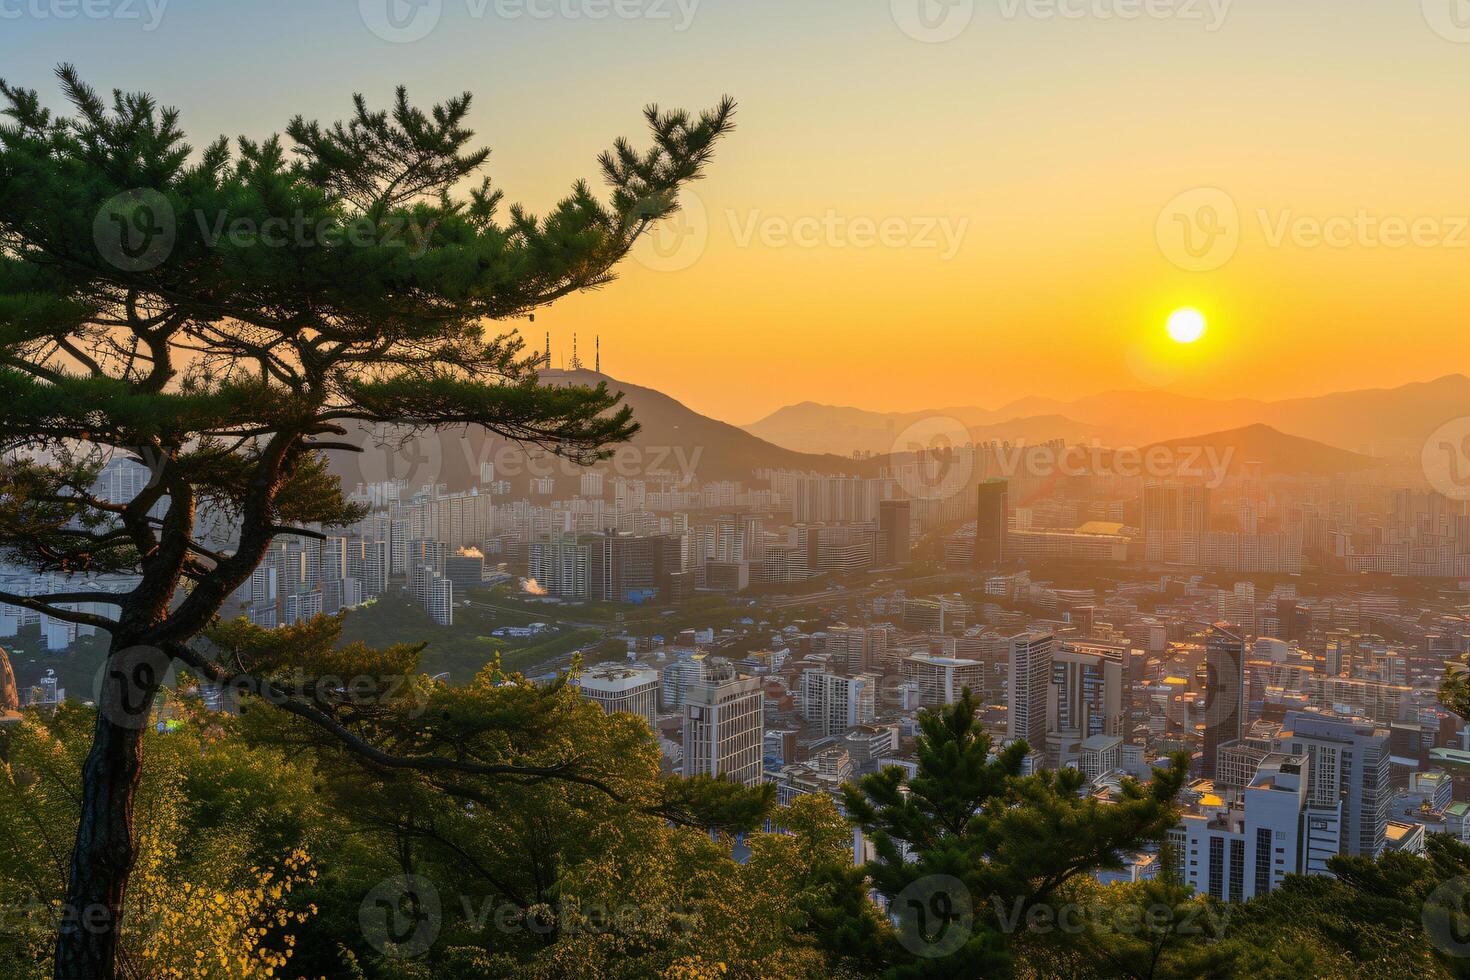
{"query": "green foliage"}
{"type": "Point", "coordinates": [1012, 843]}
{"type": "Point", "coordinates": [224, 837]}
{"type": "Point", "coordinates": [1374, 918]}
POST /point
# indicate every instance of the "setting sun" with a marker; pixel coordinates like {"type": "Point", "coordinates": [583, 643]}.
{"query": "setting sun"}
{"type": "Point", "coordinates": [1186, 326]}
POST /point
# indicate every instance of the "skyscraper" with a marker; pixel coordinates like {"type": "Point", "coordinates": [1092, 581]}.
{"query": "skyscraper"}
{"type": "Point", "coordinates": [992, 521]}
{"type": "Point", "coordinates": [1030, 681]}
{"type": "Point", "coordinates": [724, 721]}
{"type": "Point", "coordinates": [832, 703]}
{"type": "Point", "coordinates": [1224, 690]}
{"type": "Point", "coordinates": [623, 687]}
{"type": "Point", "coordinates": [1350, 762]}
{"type": "Point", "coordinates": [893, 532]}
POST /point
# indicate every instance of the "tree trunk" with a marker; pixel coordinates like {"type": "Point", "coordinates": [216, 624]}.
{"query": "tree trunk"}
{"type": "Point", "coordinates": [102, 859]}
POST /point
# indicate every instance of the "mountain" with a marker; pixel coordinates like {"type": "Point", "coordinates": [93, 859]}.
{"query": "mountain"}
{"type": "Point", "coordinates": [814, 428]}
{"type": "Point", "coordinates": [1277, 453]}
{"type": "Point", "coordinates": [674, 440]}
{"type": "Point", "coordinates": [1134, 418]}
{"type": "Point", "coordinates": [1380, 421]}
{"type": "Point", "coordinates": [1377, 422]}
{"type": "Point", "coordinates": [724, 451]}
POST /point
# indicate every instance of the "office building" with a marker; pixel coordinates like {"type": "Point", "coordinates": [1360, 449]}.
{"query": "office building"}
{"type": "Point", "coordinates": [724, 719]}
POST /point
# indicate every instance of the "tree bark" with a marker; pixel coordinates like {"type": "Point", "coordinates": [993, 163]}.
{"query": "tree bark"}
{"type": "Point", "coordinates": [102, 859]}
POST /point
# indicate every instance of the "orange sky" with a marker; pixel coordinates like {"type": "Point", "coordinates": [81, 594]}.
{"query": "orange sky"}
{"type": "Point", "coordinates": [899, 223]}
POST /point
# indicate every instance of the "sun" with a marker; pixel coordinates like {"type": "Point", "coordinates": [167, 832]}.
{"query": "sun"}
{"type": "Point", "coordinates": [1186, 325]}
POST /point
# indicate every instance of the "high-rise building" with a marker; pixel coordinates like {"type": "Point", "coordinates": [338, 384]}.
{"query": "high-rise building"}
{"type": "Point", "coordinates": [857, 649]}
{"type": "Point", "coordinates": [894, 546]}
{"type": "Point", "coordinates": [992, 522]}
{"type": "Point", "coordinates": [1236, 848]}
{"type": "Point", "coordinates": [941, 680]}
{"type": "Point", "coordinates": [1088, 682]}
{"type": "Point", "coordinates": [621, 565]}
{"type": "Point", "coordinates": [1350, 764]}
{"type": "Point", "coordinates": [560, 566]}
{"type": "Point", "coordinates": [1224, 691]}
{"type": "Point", "coordinates": [1030, 682]}
{"type": "Point", "coordinates": [1176, 518]}
{"type": "Point", "coordinates": [724, 721]}
{"type": "Point", "coordinates": [832, 703]}
{"type": "Point", "coordinates": [622, 687]}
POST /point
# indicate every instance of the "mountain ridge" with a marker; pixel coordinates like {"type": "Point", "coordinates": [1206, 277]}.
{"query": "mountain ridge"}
{"type": "Point", "coordinates": [1369, 421]}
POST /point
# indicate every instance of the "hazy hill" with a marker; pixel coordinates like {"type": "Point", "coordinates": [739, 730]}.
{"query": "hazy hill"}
{"type": "Point", "coordinates": [816, 428]}
{"type": "Point", "coordinates": [674, 440]}
{"type": "Point", "coordinates": [1278, 453]}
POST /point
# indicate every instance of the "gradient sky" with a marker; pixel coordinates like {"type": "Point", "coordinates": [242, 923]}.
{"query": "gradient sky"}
{"type": "Point", "coordinates": [1053, 143]}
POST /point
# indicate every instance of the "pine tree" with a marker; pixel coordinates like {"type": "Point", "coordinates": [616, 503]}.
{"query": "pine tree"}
{"type": "Point", "coordinates": [226, 317]}
{"type": "Point", "coordinates": [969, 850]}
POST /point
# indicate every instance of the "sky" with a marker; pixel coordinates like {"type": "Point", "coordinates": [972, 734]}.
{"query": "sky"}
{"type": "Point", "coordinates": [926, 203]}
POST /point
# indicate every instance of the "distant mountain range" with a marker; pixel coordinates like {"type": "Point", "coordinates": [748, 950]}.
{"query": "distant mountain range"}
{"type": "Point", "coordinates": [677, 441]}
{"type": "Point", "coordinates": [1277, 453]}
{"type": "Point", "coordinates": [1377, 422]}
